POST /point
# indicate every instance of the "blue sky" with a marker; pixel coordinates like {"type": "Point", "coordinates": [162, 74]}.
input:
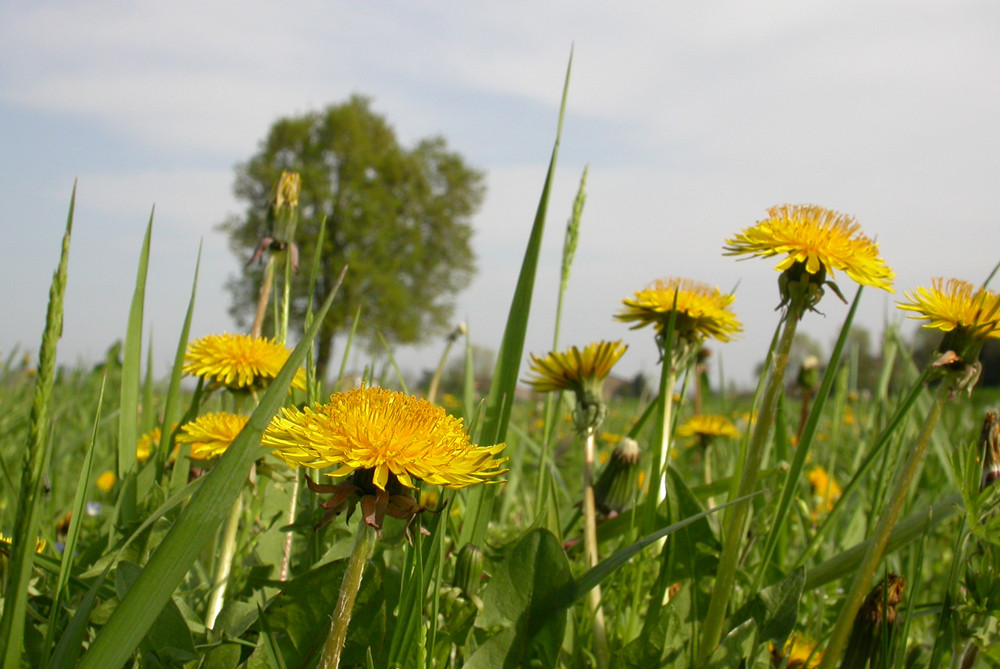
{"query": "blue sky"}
{"type": "Point", "coordinates": [693, 117]}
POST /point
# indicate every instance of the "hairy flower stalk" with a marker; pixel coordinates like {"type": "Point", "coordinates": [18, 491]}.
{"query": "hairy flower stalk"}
{"type": "Point", "coordinates": [385, 443]}
{"type": "Point", "coordinates": [816, 242]}
{"type": "Point", "coordinates": [584, 372]}
{"type": "Point", "coordinates": [968, 316]}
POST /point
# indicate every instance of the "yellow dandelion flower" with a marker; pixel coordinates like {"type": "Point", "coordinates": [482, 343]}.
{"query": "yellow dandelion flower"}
{"type": "Point", "coordinates": [210, 435]}
{"type": "Point", "coordinates": [707, 426]}
{"type": "Point", "coordinates": [39, 543]}
{"type": "Point", "coordinates": [818, 239]}
{"type": "Point", "coordinates": [106, 481]}
{"type": "Point", "coordinates": [574, 369]}
{"type": "Point", "coordinates": [384, 432]}
{"type": "Point", "coordinates": [146, 444]}
{"type": "Point", "coordinates": [238, 361]}
{"type": "Point", "coordinates": [824, 487]}
{"type": "Point", "coordinates": [702, 310]}
{"type": "Point", "coordinates": [800, 651]}
{"type": "Point", "coordinates": [956, 306]}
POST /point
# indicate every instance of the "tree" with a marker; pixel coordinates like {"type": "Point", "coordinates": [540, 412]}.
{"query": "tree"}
{"type": "Point", "coordinates": [399, 218]}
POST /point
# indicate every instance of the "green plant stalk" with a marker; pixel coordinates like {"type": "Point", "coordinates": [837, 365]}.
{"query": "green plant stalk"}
{"type": "Point", "coordinates": [364, 543]}
{"type": "Point", "coordinates": [432, 390]}
{"type": "Point", "coordinates": [224, 565]}
{"type": "Point", "coordinates": [28, 515]}
{"type": "Point", "coordinates": [263, 298]}
{"type": "Point", "coordinates": [590, 548]}
{"type": "Point", "coordinates": [736, 518]}
{"type": "Point", "coordinates": [865, 572]}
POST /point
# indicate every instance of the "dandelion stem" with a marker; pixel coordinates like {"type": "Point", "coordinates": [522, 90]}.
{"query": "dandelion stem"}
{"type": "Point", "coordinates": [736, 519]}
{"type": "Point", "coordinates": [224, 565]}
{"type": "Point", "coordinates": [263, 298]}
{"type": "Point", "coordinates": [590, 547]}
{"type": "Point", "coordinates": [286, 554]}
{"type": "Point", "coordinates": [364, 542]}
{"type": "Point", "coordinates": [876, 548]}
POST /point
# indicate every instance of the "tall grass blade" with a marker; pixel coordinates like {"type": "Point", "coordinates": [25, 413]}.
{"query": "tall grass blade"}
{"type": "Point", "coordinates": [30, 494]}
{"type": "Point", "coordinates": [196, 525]}
{"type": "Point", "coordinates": [131, 363]}
{"type": "Point", "coordinates": [79, 502]}
{"type": "Point", "coordinates": [512, 346]}
{"type": "Point", "coordinates": [172, 403]}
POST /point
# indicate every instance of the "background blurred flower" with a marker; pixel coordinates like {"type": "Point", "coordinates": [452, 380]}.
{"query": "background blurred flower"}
{"type": "Point", "coordinates": [210, 435]}
{"type": "Point", "coordinates": [238, 361]}
{"type": "Point", "coordinates": [702, 310]}
{"type": "Point", "coordinates": [106, 481]}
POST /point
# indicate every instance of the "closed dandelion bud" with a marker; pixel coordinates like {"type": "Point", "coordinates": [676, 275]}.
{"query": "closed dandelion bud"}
{"type": "Point", "coordinates": [877, 615]}
{"type": "Point", "coordinates": [289, 187]}
{"type": "Point", "coordinates": [618, 486]}
{"type": "Point", "coordinates": [989, 447]}
{"type": "Point", "coordinates": [469, 570]}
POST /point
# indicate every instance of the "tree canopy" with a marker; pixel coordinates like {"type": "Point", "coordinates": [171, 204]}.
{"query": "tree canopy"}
{"type": "Point", "coordinates": [398, 217]}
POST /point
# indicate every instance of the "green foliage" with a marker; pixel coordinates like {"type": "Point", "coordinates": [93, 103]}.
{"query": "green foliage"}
{"type": "Point", "coordinates": [398, 217]}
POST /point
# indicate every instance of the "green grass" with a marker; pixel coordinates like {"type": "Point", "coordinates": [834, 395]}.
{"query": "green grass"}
{"type": "Point", "coordinates": [124, 574]}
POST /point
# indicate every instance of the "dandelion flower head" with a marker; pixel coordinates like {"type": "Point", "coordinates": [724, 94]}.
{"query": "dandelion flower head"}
{"type": "Point", "coordinates": [956, 306]}
{"type": "Point", "coordinates": [702, 311]}
{"type": "Point", "coordinates": [238, 361]}
{"type": "Point", "coordinates": [384, 432]}
{"type": "Point", "coordinates": [575, 369]}
{"type": "Point", "coordinates": [210, 435]}
{"type": "Point", "coordinates": [146, 444]}
{"type": "Point", "coordinates": [821, 240]}
{"type": "Point", "coordinates": [707, 426]}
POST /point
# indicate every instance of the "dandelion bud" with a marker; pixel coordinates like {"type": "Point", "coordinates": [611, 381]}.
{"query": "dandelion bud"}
{"type": "Point", "coordinates": [469, 570]}
{"type": "Point", "coordinates": [287, 193]}
{"type": "Point", "coordinates": [989, 447]}
{"type": "Point", "coordinates": [877, 613]}
{"type": "Point", "coordinates": [618, 486]}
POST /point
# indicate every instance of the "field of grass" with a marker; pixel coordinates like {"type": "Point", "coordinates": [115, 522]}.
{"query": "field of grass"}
{"type": "Point", "coordinates": [764, 542]}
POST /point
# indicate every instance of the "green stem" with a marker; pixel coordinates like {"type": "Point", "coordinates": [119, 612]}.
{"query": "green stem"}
{"type": "Point", "coordinates": [364, 543]}
{"type": "Point", "coordinates": [736, 519]}
{"type": "Point", "coordinates": [224, 565]}
{"type": "Point", "coordinates": [286, 554]}
{"type": "Point", "coordinates": [863, 576]}
{"type": "Point", "coordinates": [590, 548]}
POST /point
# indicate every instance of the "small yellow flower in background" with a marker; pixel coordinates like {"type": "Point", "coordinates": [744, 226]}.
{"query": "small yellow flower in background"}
{"type": "Point", "coordinates": [238, 361]}
{"type": "Point", "coordinates": [800, 651]}
{"type": "Point", "coordinates": [702, 310]}
{"type": "Point", "coordinates": [707, 426]}
{"type": "Point", "coordinates": [39, 543]}
{"type": "Point", "coordinates": [956, 306]}
{"type": "Point", "coordinates": [146, 443]}
{"type": "Point", "coordinates": [819, 239]}
{"type": "Point", "coordinates": [210, 435]}
{"type": "Point", "coordinates": [825, 488]}
{"type": "Point", "coordinates": [106, 481]}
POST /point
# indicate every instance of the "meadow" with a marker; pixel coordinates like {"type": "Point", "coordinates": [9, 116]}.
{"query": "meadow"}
{"type": "Point", "coordinates": [815, 522]}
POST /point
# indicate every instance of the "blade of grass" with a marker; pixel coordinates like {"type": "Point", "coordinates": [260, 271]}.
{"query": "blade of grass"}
{"type": "Point", "coordinates": [196, 524]}
{"type": "Point", "coordinates": [129, 403]}
{"type": "Point", "coordinates": [172, 404]}
{"type": "Point", "coordinates": [512, 346]}
{"type": "Point", "coordinates": [73, 533]}
{"type": "Point", "coordinates": [30, 494]}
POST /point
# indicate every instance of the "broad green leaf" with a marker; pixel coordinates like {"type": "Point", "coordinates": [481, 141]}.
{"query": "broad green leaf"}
{"type": "Point", "coordinates": [518, 601]}
{"type": "Point", "coordinates": [776, 608]}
